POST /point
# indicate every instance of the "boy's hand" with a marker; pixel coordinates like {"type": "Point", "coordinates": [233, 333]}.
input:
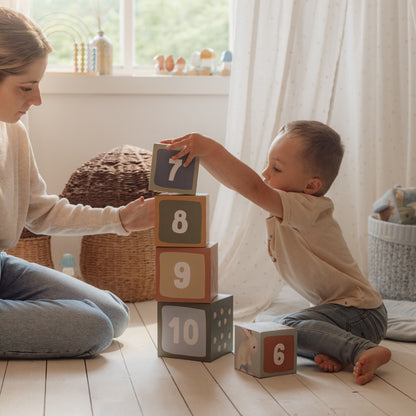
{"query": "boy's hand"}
{"type": "Point", "coordinates": [193, 145]}
{"type": "Point", "coordinates": [138, 215]}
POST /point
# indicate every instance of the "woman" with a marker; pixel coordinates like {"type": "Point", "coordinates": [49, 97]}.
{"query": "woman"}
{"type": "Point", "coordinates": [44, 313]}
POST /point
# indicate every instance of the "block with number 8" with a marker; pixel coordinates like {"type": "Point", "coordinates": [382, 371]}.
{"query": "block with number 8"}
{"type": "Point", "coordinates": [169, 175]}
{"type": "Point", "coordinates": [181, 220]}
{"type": "Point", "coordinates": [187, 274]}
{"type": "Point", "coordinates": [265, 349]}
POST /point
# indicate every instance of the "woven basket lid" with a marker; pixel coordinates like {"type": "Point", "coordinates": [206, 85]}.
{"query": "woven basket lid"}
{"type": "Point", "coordinates": [28, 234]}
{"type": "Point", "coordinates": [113, 178]}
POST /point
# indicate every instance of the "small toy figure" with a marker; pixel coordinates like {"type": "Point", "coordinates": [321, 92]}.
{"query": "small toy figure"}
{"type": "Point", "coordinates": [179, 66]}
{"type": "Point", "coordinates": [68, 264]}
{"type": "Point", "coordinates": [169, 63]}
{"type": "Point", "coordinates": [159, 64]}
{"type": "Point", "coordinates": [195, 63]}
{"type": "Point", "coordinates": [226, 59]}
{"type": "Point", "coordinates": [207, 61]}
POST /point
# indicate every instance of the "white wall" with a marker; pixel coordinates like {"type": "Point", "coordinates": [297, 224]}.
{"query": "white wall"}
{"type": "Point", "coordinates": [82, 116]}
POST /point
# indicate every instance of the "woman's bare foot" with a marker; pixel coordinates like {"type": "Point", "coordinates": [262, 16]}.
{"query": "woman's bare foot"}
{"type": "Point", "coordinates": [368, 362]}
{"type": "Point", "coordinates": [327, 363]}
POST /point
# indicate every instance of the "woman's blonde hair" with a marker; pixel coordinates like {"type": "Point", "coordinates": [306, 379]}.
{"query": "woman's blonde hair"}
{"type": "Point", "coordinates": [21, 42]}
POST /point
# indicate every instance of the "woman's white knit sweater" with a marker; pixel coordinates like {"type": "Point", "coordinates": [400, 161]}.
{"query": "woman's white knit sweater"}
{"type": "Point", "coordinates": [24, 201]}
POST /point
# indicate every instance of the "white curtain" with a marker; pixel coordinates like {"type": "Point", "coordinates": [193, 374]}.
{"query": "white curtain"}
{"type": "Point", "coordinates": [348, 63]}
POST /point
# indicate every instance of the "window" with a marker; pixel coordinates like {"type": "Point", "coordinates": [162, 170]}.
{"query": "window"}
{"type": "Point", "coordinates": [138, 29]}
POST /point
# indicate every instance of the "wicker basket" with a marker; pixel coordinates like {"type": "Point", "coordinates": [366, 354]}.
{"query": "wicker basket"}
{"type": "Point", "coordinates": [392, 259]}
{"type": "Point", "coordinates": [33, 248]}
{"type": "Point", "coordinates": [125, 265]}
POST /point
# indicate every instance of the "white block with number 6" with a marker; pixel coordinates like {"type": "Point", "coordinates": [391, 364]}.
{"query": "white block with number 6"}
{"type": "Point", "coordinates": [265, 349]}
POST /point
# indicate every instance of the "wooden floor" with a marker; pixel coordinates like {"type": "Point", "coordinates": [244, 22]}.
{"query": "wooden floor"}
{"type": "Point", "coordinates": [129, 379]}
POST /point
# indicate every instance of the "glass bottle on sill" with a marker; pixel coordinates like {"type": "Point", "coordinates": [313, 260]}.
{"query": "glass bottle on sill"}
{"type": "Point", "coordinates": [104, 58]}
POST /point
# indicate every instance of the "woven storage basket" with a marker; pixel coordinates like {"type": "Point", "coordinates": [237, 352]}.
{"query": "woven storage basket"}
{"type": "Point", "coordinates": [34, 248]}
{"type": "Point", "coordinates": [392, 259]}
{"type": "Point", "coordinates": [125, 265]}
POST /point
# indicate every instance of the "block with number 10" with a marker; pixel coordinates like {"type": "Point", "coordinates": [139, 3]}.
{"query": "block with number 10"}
{"type": "Point", "coordinates": [196, 331]}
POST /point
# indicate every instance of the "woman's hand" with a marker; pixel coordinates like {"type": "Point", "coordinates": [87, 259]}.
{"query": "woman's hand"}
{"type": "Point", "coordinates": [138, 215]}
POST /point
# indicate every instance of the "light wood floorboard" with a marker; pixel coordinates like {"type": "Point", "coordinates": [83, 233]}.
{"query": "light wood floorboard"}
{"type": "Point", "coordinates": [130, 379]}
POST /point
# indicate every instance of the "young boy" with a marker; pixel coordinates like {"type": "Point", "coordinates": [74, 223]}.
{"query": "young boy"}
{"type": "Point", "coordinates": [306, 243]}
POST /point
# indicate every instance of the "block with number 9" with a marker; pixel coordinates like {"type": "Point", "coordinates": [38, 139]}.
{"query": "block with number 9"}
{"type": "Point", "coordinates": [181, 220]}
{"type": "Point", "coordinates": [265, 349]}
{"type": "Point", "coordinates": [169, 175]}
{"type": "Point", "coordinates": [187, 274]}
{"type": "Point", "coordinates": [196, 331]}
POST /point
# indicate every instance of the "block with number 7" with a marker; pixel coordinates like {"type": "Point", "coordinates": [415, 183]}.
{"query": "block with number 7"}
{"type": "Point", "coordinates": [169, 175]}
{"type": "Point", "coordinates": [187, 274]}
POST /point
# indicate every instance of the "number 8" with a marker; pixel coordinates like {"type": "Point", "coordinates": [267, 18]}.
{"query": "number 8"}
{"type": "Point", "coordinates": [179, 224]}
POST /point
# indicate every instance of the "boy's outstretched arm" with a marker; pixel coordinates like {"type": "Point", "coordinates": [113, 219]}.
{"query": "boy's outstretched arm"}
{"type": "Point", "coordinates": [227, 169]}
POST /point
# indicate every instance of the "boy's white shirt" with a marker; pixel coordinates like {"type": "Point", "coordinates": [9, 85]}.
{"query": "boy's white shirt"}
{"type": "Point", "coordinates": [24, 201]}
{"type": "Point", "coordinates": [310, 253]}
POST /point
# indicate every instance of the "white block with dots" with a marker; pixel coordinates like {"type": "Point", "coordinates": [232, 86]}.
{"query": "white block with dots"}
{"type": "Point", "coordinates": [196, 331]}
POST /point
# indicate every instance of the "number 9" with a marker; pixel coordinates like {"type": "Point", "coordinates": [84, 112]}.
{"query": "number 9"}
{"type": "Point", "coordinates": [183, 274]}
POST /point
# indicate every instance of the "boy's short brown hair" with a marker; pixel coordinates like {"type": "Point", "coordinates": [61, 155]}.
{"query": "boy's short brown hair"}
{"type": "Point", "coordinates": [323, 149]}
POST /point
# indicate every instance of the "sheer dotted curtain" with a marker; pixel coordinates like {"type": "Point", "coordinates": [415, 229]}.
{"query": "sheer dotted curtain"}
{"type": "Point", "coordinates": [348, 63]}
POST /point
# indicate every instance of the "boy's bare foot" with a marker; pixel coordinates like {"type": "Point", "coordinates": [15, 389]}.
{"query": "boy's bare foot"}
{"type": "Point", "coordinates": [368, 362]}
{"type": "Point", "coordinates": [327, 363]}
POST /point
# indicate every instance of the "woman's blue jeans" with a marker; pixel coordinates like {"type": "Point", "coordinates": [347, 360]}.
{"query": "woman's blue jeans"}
{"type": "Point", "coordinates": [47, 314]}
{"type": "Point", "coordinates": [335, 330]}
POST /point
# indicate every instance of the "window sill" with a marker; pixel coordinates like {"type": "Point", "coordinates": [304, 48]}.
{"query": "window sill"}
{"type": "Point", "coordinates": [70, 83]}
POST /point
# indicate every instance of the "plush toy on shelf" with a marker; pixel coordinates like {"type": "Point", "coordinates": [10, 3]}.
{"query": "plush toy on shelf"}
{"type": "Point", "coordinates": [397, 205]}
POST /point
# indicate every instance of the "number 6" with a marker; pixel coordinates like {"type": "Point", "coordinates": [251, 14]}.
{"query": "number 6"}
{"type": "Point", "coordinates": [278, 355]}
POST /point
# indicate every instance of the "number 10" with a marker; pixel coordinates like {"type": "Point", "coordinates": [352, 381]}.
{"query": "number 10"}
{"type": "Point", "coordinates": [190, 330]}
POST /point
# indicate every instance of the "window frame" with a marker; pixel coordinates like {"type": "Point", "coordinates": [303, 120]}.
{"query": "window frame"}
{"type": "Point", "coordinates": [127, 64]}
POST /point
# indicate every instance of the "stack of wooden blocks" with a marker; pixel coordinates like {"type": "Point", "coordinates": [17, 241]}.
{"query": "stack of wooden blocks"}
{"type": "Point", "coordinates": [194, 321]}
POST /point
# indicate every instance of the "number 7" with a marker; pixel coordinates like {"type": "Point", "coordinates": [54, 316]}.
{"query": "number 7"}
{"type": "Point", "coordinates": [176, 165]}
